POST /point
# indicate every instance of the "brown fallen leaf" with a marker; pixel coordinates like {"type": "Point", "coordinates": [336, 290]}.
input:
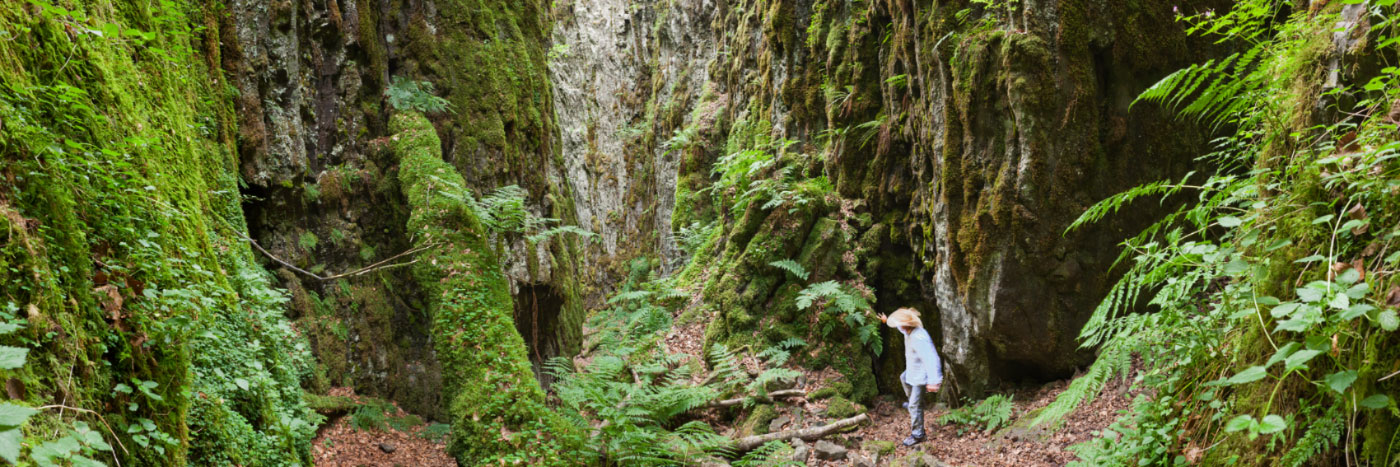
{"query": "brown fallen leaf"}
{"type": "Point", "coordinates": [15, 389]}
{"type": "Point", "coordinates": [1392, 297]}
{"type": "Point", "coordinates": [1357, 212]}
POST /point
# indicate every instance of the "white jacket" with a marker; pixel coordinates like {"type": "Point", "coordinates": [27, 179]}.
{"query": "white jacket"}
{"type": "Point", "coordinates": [921, 363]}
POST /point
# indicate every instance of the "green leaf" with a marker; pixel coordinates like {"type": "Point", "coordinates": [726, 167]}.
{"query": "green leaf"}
{"type": "Point", "coordinates": [1377, 401]}
{"type": "Point", "coordinates": [1311, 259]}
{"type": "Point", "coordinates": [10, 443]}
{"type": "Point", "coordinates": [1300, 359]}
{"type": "Point", "coordinates": [1340, 302]}
{"type": "Point", "coordinates": [14, 415]}
{"type": "Point", "coordinates": [1341, 380]}
{"type": "Point", "coordinates": [1349, 276]}
{"type": "Point", "coordinates": [1272, 424]}
{"type": "Point", "coordinates": [1355, 311]}
{"type": "Point", "coordinates": [242, 383]}
{"type": "Point", "coordinates": [1358, 291]}
{"type": "Point", "coordinates": [1230, 222]}
{"type": "Point", "coordinates": [1236, 267]}
{"type": "Point", "coordinates": [1388, 320]}
{"type": "Point", "coordinates": [1240, 423]}
{"type": "Point", "coordinates": [12, 357]}
{"type": "Point", "coordinates": [1283, 310]}
{"type": "Point", "coordinates": [1322, 220]}
{"type": "Point", "coordinates": [1249, 375]}
{"type": "Point", "coordinates": [1282, 353]}
{"type": "Point", "coordinates": [1312, 294]}
{"type": "Point", "coordinates": [6, 328]}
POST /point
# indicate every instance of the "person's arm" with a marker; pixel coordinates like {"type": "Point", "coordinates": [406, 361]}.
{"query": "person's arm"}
{"type": "Point", "coordinates": [932, 365]}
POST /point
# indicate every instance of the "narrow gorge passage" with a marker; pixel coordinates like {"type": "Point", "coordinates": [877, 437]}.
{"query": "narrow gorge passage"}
{"type": "Point", "coordinates": [699, 232]}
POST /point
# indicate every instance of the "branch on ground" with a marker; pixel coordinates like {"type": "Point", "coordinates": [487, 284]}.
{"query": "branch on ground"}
{"type": "Point", "coordinates": [749, 443]}
{"type": "Point", "coordinates": [768, 398]}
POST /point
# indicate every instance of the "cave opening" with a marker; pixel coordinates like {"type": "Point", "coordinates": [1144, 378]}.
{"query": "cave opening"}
{"type": "Point", "coordinates": [537, 308]}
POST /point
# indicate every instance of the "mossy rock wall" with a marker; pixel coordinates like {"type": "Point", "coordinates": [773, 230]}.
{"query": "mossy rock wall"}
{"type": "Point", "coordinates": [120, 250]}
{"type": "Point", "coordinates": [324, 195]}
{"type": "Point", "coordinates": [960, 146]}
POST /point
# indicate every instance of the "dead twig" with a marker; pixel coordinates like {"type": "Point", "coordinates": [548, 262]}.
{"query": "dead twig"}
{"type": "Point", "coordinates": [62, 407]}
{"type": "Point", "coordinates": [378, 266]}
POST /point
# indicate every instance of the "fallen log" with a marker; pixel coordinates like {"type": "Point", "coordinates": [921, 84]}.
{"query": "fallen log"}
{"type": "Point", "coordinates": [749, 443]}
{"type": "Point", "coordinates": [771, 396]}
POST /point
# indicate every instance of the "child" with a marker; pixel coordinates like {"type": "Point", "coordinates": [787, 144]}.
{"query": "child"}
{"type": "Point", "coordinates": [922, 367]}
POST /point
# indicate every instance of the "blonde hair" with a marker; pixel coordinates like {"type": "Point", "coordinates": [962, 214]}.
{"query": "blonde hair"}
{"type": "Point", "coordinates": [905, 317]}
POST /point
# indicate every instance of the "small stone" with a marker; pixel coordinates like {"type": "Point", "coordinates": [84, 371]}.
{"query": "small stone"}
{"type": "Point", "coordinates": [800, 451]}
{"type": "Point", "coordinates": [388, 448]}
{"type": "Point", "coordinates": [829, 451]}
{"type": "Point", "coordinates": [858, 460]}
{"type": "Point", "coordinates": [922, 459]}
{"type": "Point", "coordinates": [778, 423]}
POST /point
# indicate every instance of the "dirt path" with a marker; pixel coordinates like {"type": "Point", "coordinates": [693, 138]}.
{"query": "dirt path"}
{"type": "Point", "coordinates": [339, 443]}
{"type": "Point", "coordinates": [890, 422]}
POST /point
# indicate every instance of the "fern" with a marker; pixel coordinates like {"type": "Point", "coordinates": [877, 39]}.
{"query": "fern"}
{"type": "Point", "coordinates": [629, 296]}
{"type": "Point", "coordinates": [1213, 91]}
{"type": "Point", "coordinates": [816, 292]}
{"type": "Point", "coordinates": [791, 267]}
{"type": "Point", "coordinates": [1321, 436]}
{"type": "Point", "coordinates": [770, 454]}
{"type": "Point", "coordinates": [1116, 359]}
{"type": "Point", "coordinates": [989, 414]}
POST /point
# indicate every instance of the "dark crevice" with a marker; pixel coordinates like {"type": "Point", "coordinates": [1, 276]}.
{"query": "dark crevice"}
{"type": "Point", "coordinates": [537, 308]}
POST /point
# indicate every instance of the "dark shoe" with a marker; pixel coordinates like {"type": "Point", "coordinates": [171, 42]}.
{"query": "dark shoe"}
{"type": "Point", "coordinates": [911, 440]}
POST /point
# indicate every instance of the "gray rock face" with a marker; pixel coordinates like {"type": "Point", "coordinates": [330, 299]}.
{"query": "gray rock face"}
{"type": "Point", "coordinates": [608, 54]}
{"type": "Point", "coordinates": [829, 451]}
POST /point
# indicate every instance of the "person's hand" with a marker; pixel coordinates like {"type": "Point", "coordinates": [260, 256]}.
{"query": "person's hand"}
{"type": "Point", "coordinates": [881, 316]}
{"type": "Point", "coordinates": [934, 387]}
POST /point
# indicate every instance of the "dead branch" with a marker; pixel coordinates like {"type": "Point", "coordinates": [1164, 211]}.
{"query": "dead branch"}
{"type": "Point", "coordinates": [749, 443]}
{"type": "Point", "coordinates": [771, 396]}
{"type": "Point", "coordinates": [378, 266]}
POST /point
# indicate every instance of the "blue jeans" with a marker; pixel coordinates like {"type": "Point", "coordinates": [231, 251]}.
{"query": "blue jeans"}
{"type": "Point", "coordinates": [916, 410]}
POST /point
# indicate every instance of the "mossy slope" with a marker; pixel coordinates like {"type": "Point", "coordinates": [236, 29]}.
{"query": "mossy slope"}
{"type": "Point", "coordinates": [118, 251]}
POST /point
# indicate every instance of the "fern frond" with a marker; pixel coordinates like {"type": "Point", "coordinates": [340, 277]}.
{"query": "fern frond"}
{"type": "Point", "coordinates": [1116, 359]}
{"type": "Point", "coordinates": [791, 267]}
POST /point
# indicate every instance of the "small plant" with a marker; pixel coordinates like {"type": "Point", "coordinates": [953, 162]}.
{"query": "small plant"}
{"type": "Point", "coordinates": [853, 309]}
{"type": "Point", "coordinates": [990, 414]}
{"type": "Point", "coordinates": [558, 52]}
{"type": "Point", "coordinates": [406, 95]}
{"type": "Point", "coordinates": [308, 241]}
{"type": "Point", "coordinates": [436, 432]}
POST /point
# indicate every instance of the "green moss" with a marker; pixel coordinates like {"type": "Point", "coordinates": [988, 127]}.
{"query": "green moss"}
{"type": "Point", "coordinates": [756, 423]}
{"type": "Point", "coordinates": [496, 406]}
{"type": "Point", "coordinates": [841, 407]}
{"type": "Point", "coordinates": [877, 447]}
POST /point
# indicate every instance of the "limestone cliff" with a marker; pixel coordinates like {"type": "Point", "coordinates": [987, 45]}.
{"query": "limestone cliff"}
{"type": "Point", "coordinates": [958, 142]}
